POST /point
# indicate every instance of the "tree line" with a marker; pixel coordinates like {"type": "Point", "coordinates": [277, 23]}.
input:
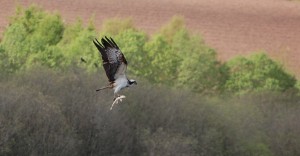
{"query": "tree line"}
{"type": "Point", "coordinates": [173, 56]}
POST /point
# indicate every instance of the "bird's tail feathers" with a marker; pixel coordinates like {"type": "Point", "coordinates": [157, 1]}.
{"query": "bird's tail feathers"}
{"type": "Point", "coordinates": [106, 87]}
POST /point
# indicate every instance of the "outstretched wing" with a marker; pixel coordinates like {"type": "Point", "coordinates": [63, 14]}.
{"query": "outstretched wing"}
{"type": "Point", "coordinates": [114, 62]}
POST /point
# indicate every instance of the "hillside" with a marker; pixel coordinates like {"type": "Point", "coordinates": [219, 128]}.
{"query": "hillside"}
{"type": "Point", "coordinates": [232, 27]}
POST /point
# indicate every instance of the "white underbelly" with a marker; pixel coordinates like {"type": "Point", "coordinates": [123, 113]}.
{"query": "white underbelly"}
{"type": "Point", "coordinates": [120, 83]}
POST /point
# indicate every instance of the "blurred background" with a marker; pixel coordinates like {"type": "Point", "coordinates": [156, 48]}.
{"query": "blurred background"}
{"type": "Point", "coordinates": [214, 78]}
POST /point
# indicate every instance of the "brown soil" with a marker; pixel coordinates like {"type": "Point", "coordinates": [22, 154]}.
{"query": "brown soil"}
{"type": "Point", "coordinates": [232, 27]}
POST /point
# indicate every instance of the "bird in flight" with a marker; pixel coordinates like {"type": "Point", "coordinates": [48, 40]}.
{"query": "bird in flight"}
{"type": "Point", "coordinates": [115, 65]}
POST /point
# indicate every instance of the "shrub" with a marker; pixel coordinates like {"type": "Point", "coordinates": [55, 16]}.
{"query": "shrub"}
{"type": "Point", "coordinates": [257, 73]}
{"type": "Point", "coordinates": [76, 44]}
{"type": "Point", "coordinates": [31, 32]}
{"type": "Point", "coordinates": [180, 59]}
{"type": "Point", "coordinates": [48, 112]}
{"type": "Point", "coordinates": [200, 70]}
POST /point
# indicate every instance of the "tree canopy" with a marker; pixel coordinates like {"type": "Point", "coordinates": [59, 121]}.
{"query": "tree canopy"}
{"type": "Point", "coordinates": [173, 56]}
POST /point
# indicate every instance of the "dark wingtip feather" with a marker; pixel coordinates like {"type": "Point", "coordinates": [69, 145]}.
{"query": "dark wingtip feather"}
{"type": "Point", "coordinates": [105, 43]}
{"type": "Point", "coordinates": [101, 50]}
{"type": "Point", "coordinates": [109, 42]}
{"type": "Point", "coordinates": [99, 47]}
{"type": "Point", "coordinates": [98, 42]}
{"type": "Point", "coordinates": [114, 43]}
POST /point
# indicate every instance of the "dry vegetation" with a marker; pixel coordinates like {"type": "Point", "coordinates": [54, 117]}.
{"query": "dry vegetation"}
{"type": "Point", "coordinates": [45, 112]}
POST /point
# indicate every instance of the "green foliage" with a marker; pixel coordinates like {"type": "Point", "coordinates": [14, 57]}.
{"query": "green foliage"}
{"type": "Point", "coordinates": [35, 37]}
{"type": "Point", "coordinates": [183, 60]}
{"type": "Point", "coordinates": [29, 37]}
{"type": "Point", "coordinates": [77, 43]}
{"type": "Point", "coordinates": [14, 47]}
{"type": "Point", "coordinates": [173, 57]}
{"type": "Point", "coordinates": [257, 73]}
{"type": "Point", "coordinates": [132, 43]}
{"type": "Point", "coordinates": [170, 29]}
{"type": "Point", "coordinates": [200, 71]}
{"type": "Point", "coordinates": [164, 57]}
{"type": "Point", "coordinates": [50, 57]}
{"type": "Point", "coordinates": [162, 66]}
{"type": "Point", "coordinates": [3, 63]}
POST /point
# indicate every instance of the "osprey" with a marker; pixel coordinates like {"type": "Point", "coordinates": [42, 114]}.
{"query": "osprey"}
{"type": "Point", "coordinates": [115, 66]}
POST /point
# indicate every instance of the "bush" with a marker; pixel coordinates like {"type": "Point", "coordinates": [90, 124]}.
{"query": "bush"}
{"type": "Point", "coordinates": [47, 112]}
{"type": "Point", "coordinates": [200, 70]}
{"type": "Point", "coordinates": [257, 73]}
{"type": "Point", "coordinates": [162, 68]}
{"type": "Point", "coordinates": [183, 60]}
{"type": "Point", "coordinates": [31, 32]}
{"type": "Point", "coordinates": [76, 44]}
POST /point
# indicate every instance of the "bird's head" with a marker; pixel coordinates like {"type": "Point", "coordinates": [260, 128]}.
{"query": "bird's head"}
{"type": "Point", "coordinates": [131, 82]}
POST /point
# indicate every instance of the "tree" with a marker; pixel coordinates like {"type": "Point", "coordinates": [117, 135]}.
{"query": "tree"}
{"type": "Point", "coordinates": [162, 67]}
{"type": "Point", "coordinates": [77, 43]}
{"type": "Point", "coordinates": [132, 44]}
{"type": "Point", "coordinates": [201, 72]}
{"type": "Point", "coordinates": [170, 29]}
{"type": "Point", "coordinates": [257, 73]}
{"type": "Point", "coordinates": [29, 36]}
